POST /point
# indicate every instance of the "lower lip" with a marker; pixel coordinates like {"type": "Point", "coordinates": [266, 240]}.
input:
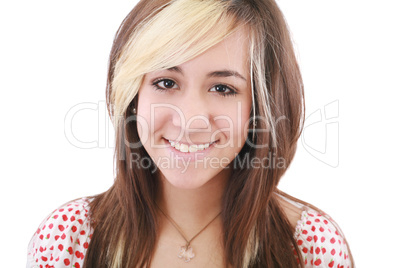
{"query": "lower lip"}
{"type": "Point", "coordinates": [190, 156]}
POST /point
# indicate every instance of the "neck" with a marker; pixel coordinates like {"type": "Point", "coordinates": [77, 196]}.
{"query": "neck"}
{"type": "Point", "coordinates": [192, 209]}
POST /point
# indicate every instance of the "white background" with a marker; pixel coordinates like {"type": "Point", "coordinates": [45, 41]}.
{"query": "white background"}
{"type": "Point", "coordinates": [54, 56]}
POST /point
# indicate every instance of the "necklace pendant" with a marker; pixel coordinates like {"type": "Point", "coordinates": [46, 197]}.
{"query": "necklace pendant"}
{"type": "Point", "coordinates": [186, 253]}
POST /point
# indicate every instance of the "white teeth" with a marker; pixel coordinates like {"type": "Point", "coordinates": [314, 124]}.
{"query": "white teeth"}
{"type": "Point", "coordinates": [192, 148]}
{"type": "Point", "coordinates": [183, 148]}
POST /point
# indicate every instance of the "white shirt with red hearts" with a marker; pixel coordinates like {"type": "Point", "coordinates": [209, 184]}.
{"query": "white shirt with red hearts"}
{"type": "Point", "coordinates": [62, 239]}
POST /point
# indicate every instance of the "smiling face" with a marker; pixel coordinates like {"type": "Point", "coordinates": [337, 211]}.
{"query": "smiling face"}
{"type": "Point", "coordinates": [193, 118]}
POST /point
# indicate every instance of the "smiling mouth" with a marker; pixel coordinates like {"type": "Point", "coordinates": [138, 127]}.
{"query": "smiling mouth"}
{"type": "Point", "coordinates": [189, 148]}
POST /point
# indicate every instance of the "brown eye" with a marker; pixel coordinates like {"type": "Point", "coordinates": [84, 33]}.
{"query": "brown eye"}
{"type": "Point", "coordinates": [168, 83]}
{"type": "Point", "coordinates": [165, 84]}
{"type": "Point", "coordinates": [223, 90]}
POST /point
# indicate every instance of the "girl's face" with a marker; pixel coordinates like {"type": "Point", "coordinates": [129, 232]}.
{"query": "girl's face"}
{"type": "Point", "coordinates": [193, 118]}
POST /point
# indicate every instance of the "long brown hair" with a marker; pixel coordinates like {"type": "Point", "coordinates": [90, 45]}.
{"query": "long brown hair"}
{"type": "Point", "coordinates": [257, 232]}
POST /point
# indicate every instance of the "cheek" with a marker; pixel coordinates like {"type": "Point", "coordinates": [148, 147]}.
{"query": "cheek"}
{"type": "Point", "coordinates": [245, 125]}
{"type": "Point", "coordinates": [150, 119]}
{"type": "Point", "coordinates": [144, 118]}
{"type": "Point", "coordinates": [234, 123]}
{"type": "Point", "coordinates": [244, 118]}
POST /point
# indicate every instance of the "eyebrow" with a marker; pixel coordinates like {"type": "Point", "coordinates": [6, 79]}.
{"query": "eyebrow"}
{"type": "Point", "coordinates": [220, 73]}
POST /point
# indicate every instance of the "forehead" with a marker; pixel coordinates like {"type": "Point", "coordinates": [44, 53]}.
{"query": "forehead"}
{"type": "Point", "coordinates": [230, 54]}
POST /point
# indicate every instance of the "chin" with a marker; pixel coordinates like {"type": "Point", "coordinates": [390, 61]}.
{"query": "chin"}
{"type": "Point", "coordinates": [186, 179]}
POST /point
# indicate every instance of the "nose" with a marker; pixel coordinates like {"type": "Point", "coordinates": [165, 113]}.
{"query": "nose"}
{"type": "Point", "coordinates": [194, 112]}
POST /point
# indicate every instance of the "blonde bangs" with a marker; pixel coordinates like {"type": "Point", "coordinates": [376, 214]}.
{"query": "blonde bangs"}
{"type": "Point", "coordinates": [177, 33]}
